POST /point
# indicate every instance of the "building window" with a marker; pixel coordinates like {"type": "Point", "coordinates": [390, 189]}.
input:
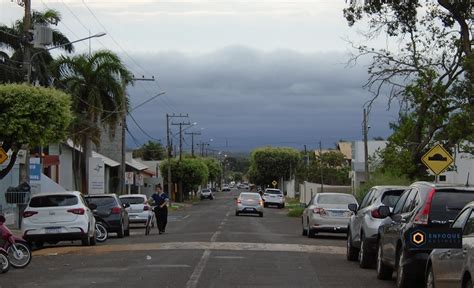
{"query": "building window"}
{"type": "Point", "coordinates": [442, 178]}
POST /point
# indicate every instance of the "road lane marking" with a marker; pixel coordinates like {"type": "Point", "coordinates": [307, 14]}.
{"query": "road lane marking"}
{"type": "Point", "coordinates": [229, 257]}
{"type": "Point", "coordinates": [224, 246]}
{"type": "Point", "coordinates": [194, 279]}
{"type": "Point", "coordinates": [186, 217]}
{"type": "Point", "coordinates": [214, 236]}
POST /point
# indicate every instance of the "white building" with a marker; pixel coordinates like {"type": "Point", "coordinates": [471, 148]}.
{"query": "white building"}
{"type": "Point", "coordinates": [357, 173]}
{"type": "Point", "coordinates": [462, 167]}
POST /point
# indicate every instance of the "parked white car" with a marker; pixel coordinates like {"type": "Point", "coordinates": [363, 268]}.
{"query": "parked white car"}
{"type": "Point", "coordinates": [273, 197]}
{"type": "Point", "coordinates": [54, 217]}
{"type": "Point", "coordinates": [139, 210]}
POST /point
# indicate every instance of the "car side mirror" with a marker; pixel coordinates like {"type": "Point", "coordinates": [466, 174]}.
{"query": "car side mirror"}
{"type": "Point", "coordinates": [352, 207]}
{"type": "Point", "coordinates": [384, 211]}
{"type": "Point", "coordinates": [92, 206]}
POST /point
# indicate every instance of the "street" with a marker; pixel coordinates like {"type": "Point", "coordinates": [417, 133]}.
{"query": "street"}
{"type": "Point", "coordinates": [205, 245]}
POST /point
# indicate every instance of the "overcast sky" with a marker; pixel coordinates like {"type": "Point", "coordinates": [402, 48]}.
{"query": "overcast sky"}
{"type": "Point", "coordinates": [250, 73]}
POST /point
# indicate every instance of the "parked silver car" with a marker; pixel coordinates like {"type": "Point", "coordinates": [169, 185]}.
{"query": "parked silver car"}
{"type": "Point", "coordinates": [327, 212]}
{"type": "Point", "coordinates": [364, 224]}
{"type": "Point", "coordinates": [249, 203]}
{"type": "Point", "coordinates": [454, 267]}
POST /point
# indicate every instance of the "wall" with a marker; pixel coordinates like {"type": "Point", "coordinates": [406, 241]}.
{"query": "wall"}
{"type": "Point", "coordinates": [308, 190]}
{"type": "Point", "coordinates": [464, 166]}
{"type": "Point", "coordinates": [111, 148]}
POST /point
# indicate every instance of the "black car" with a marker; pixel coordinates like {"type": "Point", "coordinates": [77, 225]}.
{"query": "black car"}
{"type": "Point", "coordinates": [110, 208]}
{"type": "Point", "coordinates": [423, 204]}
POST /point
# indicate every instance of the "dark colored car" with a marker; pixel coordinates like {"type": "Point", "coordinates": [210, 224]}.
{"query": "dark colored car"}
{"type": "Point", "coordinates": [110, 208]}
{"type": "Point", "coordinates": [423, 204]}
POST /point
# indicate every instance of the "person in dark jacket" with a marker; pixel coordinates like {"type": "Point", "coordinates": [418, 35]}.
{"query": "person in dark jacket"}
{"type": "Point", "coordinates": [161, 201]}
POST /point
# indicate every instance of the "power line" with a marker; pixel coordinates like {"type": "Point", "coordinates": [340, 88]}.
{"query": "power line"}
{"type": "Point", "coordinates": [141, 129]}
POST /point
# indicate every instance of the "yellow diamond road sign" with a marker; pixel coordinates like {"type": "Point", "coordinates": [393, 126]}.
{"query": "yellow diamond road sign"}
{"type": "Point", "coordinates": [437, 159]}
{"type": "Point", "coordinates": [274, 183]}
{"type": "Point", "coordinates": [3, 155]}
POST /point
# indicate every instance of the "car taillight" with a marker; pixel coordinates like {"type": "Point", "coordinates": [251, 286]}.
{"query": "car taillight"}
{"type": "Point", "coordinates": [116, 210]}
{"type": "Point", "coordinates": [239, 201]}
{"type": "Point", "coordinates": [319, 211]}
{"type": "Point", "coordinates": [77, 211]}
{"type": "Point", "coordinates": [146, 208]}
{"type": "Point", "coordinates": [422, 217]}
{"type": "Point", "coordinates": [27, 214]}
{"type": "Point", "coordinates": [376, 214]}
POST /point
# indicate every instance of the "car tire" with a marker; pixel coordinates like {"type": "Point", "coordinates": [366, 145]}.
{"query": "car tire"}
{"type": "Point", "coordinates": [351, 251]}
{"type": "Point", "coordinates": [237, 213]}
{"type": "Point", "coordinates": [86, 241]}
{"type": "Point", "coordinates": [120, 232]}
{"type": "Point", "coordinates": [261, 214]}
{"type": "Point", "coordinates": [365, 258]}
{"type": "Point", "coordinates": [384, 272]}
{"type": "Point", "coordinates": [305, 231]}
{"type": "Point", "coordinates": [92, 240]}
{"type": "Point", "coordinates": [467, 284]}
{"type": "Point", "coordinates": [430, 278]}
{"type": "Point", "coordinates": [282, 206]}
{"type": "Point", "coordinates": [311, 232]}
{"type": "Point", "coordinates": [403, 279]}
{"type": "Point", "coordinates": [38, 244]}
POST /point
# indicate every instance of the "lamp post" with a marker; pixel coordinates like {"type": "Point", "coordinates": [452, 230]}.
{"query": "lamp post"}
{"type": "Point", "coordinates": [28, 76]}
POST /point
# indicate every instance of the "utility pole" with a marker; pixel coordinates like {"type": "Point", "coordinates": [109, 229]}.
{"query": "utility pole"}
{"type": "Point", "coordinates": [366, 148]}
{"type": "Point", "coordinates": [180, 124]}
{"type": "Point", "coordinates": [192, 140]}
{"type": "Point", "coordinates": [321, 164]}
{"type": "Point", "coordinates": [169, 147]}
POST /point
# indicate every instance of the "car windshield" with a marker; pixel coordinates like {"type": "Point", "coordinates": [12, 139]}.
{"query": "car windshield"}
{"type": "Point", "coordinates": [275, 192]}
{"type": "Point", "coordinates": [54, 201]}
{"type": "Point", "coordinates": [132, 200]}
{"type": "Point", "coordinates": [252, 196]}
{"type": "Point", "coordinates": [390, 198]}
{"type": "Point", "coordinates": [336, 199]}
{"type": "Point", "coordinates": [102, 202]}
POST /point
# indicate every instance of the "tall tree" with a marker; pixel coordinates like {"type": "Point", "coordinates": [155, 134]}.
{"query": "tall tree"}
{"type": "Point", "coordinates": [151, 151]}
{"type": "Point", "coordinates": [97, 83]}
{"type": "Point", "coordinates": [12, 45]}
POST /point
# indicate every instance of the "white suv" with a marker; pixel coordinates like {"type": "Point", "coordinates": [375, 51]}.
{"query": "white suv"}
{"type": "Point", "coordinates": [273, 197]}
{"type": "Point", "coordinates": [54, 217]}
{"type": "Point", "coordinates": [139, 210]}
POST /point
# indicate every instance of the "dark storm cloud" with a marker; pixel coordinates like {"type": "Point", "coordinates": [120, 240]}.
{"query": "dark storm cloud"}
{"type": "Point", "coordinates": [256, 98]}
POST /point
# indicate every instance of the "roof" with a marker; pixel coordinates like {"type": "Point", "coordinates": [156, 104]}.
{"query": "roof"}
{"type": "Point", "coordinates": [107, 161]}
{"type": "Point", "coordinates": [136, 165]}
{"type": "Point", "coordinates": [77, 193]}
{"type": "Point", "coordinates": [346, 149]}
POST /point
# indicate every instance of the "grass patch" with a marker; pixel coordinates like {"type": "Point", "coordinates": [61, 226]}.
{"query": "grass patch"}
{"type": "Point", "coordinates": [295, 212]}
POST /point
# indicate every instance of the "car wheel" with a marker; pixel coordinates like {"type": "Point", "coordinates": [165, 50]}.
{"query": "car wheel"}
{"type": "Point", "coordinates": [384, 272]}
{"type": "Point", "coordinates": [282, 206]}
{"type": "Point", "coordinates": [86, 241]}
{"type": "Point", "coordinates": [305, 231]}
{"type": "Point", "coordinates": [237, 213]}
{"type": "Point", "coordinates": [92, 239]}
{"type": "Point", "coordinates": [311, 232]}
{"type": "Point", "coordinates": [467, 284]}
{"type": "Point", "coordinates": [430, 278]}
{"type": "Point", "coordinates": [38, 244]}
{"type": "Point", "coordinates": [261, 214]}
{"type": "Point", "coordinates": [403, 280]}
{"type": "Point", "coordinates": [120, 232]}
{"type": "Point", "coordinates": [365, 259]}
{"type": "Point", "coordinates": [351, 251]}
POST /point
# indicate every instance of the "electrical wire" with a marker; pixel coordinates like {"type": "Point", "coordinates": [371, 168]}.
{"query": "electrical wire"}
{"type": "Point", "coordinates": [141, 129]}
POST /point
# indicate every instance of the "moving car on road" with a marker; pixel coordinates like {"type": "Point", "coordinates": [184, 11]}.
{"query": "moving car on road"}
{"type": "Point", "coordinates": [54, 217]}
{"type": "Point", "coordinates": [454, 267]}
{"type": "Point", "coordinates": [111, 209]}
{"type": "Point", "coordinates": [423, 204]}
{"type": "Point", "coordinates": [139, 210]}
{"type": "Point", "coordinates": [273, 197]}
{"type": "Point", "coordinates": [206, 194]}
{"type": "Point", "coordinates": [327, 212]}
{"type": "Point", "coordinates": [249, 203]}
{"type": "Point", "coordinates": [364, 224]}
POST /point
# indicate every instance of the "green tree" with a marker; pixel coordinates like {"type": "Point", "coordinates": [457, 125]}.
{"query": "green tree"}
{"type": "Point", "coordinates": [190, 172]}
{"type": "Point", "coordinates": [214, 169]}
{"type": "Point", "coordinates": [271, 163]}
{"type": "Point", "coordinates": [151, 151]}
{"type": "Point", "coordinates": [97, 83]}
{"type": "Point", "coordinates": [12, 47]}
{"type": "Point", "coordinates": [31, 115]}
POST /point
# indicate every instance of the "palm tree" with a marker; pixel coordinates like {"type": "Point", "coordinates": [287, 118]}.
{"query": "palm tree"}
{"type": "Point", "coordinates": [97, 84]}
{"type": "Point", "coordinates": [12, 45]}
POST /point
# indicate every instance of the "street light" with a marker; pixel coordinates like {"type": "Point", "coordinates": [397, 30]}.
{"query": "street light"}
{"type": "Point", "coordinates": [28, 76]}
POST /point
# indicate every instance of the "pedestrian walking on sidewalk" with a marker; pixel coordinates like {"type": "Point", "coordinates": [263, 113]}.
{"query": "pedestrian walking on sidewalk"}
{"type": "Point", "coordinates": [161, 201]}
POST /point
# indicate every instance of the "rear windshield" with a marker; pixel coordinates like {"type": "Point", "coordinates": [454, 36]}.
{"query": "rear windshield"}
{"type": "Point", "coordinates": [206, 190]}
{"type": "Point", "coordinates": [336, 199]}
{"type": "Point", "coordinates": [273, 192]}
{"type": "Point", "coordinates": [250, 196]}
{"type": "Point", "coordinates": [447, 204]}
{"type": "Point", "coordinates": [102, 202]}
{"type": "Point", "coordinates": [54, 201]}
{"type": "Point", "coordinates": [390, 198]}
{"type": "Point", "coordinates": [132, 200]}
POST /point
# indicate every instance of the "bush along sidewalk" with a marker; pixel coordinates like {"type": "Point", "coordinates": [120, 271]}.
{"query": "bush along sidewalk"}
{"type": "Point", "coordinates": [294, 208]}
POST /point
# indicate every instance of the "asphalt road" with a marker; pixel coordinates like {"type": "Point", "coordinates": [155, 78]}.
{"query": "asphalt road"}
{"type": "Point", "coordinates": [205, 245]}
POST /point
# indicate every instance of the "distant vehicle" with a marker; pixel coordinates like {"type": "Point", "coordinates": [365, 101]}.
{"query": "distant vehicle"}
{"type": "Point", "coordinates": [454, 267]}
{"type": "Point", "coordinates": [249, 203]}
{"type": "Point", "coordinates": [110, 208]}
{"type": "Point", "coordinates": [139, 210]}
{"type": "Point", "coordinates": [206, 194]}
{"type": "Point", "coordinates": [54, 217]}
{"type": "Point", "coordinates": [364, 224]}
{"type": "Point", "coordinates": [213, 189]}
{"type": "Point", "coordinates": [245, 186]}
{"type": "Point", "coordinates": [327, 212]}
{"type": "Point", "coordinates": [423, 204]}
{"type": "Point", "coordinates": [225, 188]}
{"type": "Point", "coordinates": [273, 197]}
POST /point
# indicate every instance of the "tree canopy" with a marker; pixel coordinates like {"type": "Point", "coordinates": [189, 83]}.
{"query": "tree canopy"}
{"type": "Point", "coordinates": [32, 115]}
{"type": "Point", "coordinates": [150, 151]}
{"type": "Point", "coordinates": [271, 163]}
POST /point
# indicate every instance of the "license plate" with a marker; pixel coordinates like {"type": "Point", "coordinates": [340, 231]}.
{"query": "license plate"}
{"type": "Point", "coordinates": [249, 209]}
{"type": "Point", "coordinates": [53, 230]}
{"type": "Point", "coordinates": [337, 213]}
